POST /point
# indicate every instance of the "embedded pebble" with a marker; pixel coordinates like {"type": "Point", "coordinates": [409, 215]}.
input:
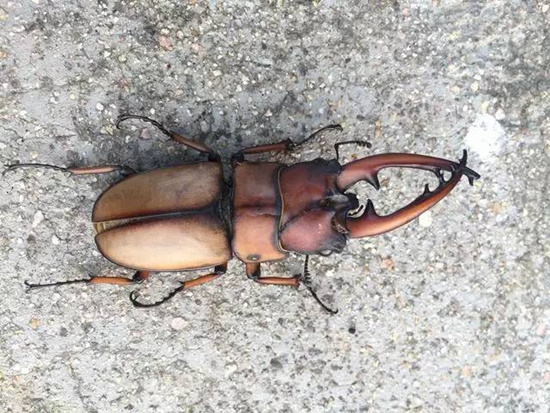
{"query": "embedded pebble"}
{"type": "Point", "coordinates": [38, 218]}
{"type": "Point", "coordinates": [178, 323]}
{"type": "Point", "coordinates": [426, 219]}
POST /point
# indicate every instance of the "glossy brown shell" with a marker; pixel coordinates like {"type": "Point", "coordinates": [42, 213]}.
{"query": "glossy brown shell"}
{"type": "Point", "coordinates": [181, 188]}
{"type": "Point", "coordinates": [164, 220]}
{"type": "Point", "coordinates": [256, 212]}
{"type": "Point", "coordinates": [312, 218]}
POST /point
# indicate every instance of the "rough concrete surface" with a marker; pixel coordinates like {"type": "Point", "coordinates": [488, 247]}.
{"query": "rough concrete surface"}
{"type": "Point", "coordinates": [450, 313]}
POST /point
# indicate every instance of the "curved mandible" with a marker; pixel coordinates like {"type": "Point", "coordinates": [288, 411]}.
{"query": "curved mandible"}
{"type": "Point", "coordinates": [370, 223]}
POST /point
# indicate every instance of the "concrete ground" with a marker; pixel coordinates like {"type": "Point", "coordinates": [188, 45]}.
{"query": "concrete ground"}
{"type": "Point", "coordinates": [450, 313]}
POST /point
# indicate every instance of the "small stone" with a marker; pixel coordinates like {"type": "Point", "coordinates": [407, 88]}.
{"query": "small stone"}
{"type": "Point", "coordinates": [455, 90]}
{"type": "Point", "coordinates": [144, 134]}
{"type": "Point", "coordinates": [178, 323]}
{"type": "Point", "coordinates": [545, 8]}
{"type": "Point", "coordinates": [415, 402]}
{"type": "Point", "coordinates": [38, 218]}
{"type": "Point", "coordinates": [122, 58]}
{"type": "Point", "coordinates": [425, 219]}
{"type": "Point", "coordinates": [165, 42]}
{"type": "Point", "coordinates": [55, 240]}
{"type": "Point", "coordinates": [99, 107]}
{"type": "Point", "coordinates": [474, 87]}
{"type": "Point", "coordinates": [217, 73]}
{"type": "Point", "coordinates": [387, 264]}
{"type": "Point", "coordinates": [276, 364]}
{"type": "Point", "coordinates": [500, 115]}
{"type": "Point", "coordinates": [541, 329]}
{"type": "Point", "coordinates": [268, 114]}
{"type": "Point", "coordinates": [34, 323]}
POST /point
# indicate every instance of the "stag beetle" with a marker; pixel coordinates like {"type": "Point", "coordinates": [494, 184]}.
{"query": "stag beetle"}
{"type": "Point", "coordinates": [188, 217]}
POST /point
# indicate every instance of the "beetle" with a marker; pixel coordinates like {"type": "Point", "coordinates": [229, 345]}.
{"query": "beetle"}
{"type": "Point", "coordinates": [189, 217]}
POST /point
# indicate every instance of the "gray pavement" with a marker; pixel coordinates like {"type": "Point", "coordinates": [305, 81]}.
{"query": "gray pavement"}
{"type": "Point", "coordinates": [450, 313]}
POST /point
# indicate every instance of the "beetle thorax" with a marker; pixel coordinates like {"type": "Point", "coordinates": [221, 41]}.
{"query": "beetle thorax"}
{"type": "Point", "coordinates": [314, 208]}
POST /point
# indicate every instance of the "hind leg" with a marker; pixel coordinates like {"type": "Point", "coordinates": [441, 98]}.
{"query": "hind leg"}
{"type": "Point", "coordinates": [74, 170]}
{"type": "Point", "coordinates": [137, 278]}
{"type": "Point", "coordinates": [203, 279]}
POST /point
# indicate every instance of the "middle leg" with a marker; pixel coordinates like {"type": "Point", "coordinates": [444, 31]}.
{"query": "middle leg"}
{"type": "Point", "coordinates": [203, 279]}
{"type": "Point", "coordinates": [285, 145]}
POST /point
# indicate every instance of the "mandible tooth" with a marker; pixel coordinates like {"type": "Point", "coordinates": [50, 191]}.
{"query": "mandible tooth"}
{"type": "Point", "coordinates": [426, 189]}
{"type": "Point", "coordinates": [369, 209]}
{"type": "Point", "coordinates": [373, 180]}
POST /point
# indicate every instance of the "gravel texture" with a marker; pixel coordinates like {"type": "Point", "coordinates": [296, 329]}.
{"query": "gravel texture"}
{"type": "Point", "coordinates": [450, 313]}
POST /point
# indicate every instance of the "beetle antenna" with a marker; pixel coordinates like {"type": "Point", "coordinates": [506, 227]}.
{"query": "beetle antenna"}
{"type": "Point", "coordinates": [306, 281]}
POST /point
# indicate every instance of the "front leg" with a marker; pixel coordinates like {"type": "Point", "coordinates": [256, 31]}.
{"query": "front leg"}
{"type": "Point", "coordinates": [253, 271]}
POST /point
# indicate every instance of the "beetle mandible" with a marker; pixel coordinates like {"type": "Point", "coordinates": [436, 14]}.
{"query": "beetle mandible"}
{"type": "Point", "coordinates": [189, 217]}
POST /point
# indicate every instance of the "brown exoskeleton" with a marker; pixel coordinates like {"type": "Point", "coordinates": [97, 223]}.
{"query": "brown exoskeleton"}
{"type": "Point", "coordinates": [188, 217]}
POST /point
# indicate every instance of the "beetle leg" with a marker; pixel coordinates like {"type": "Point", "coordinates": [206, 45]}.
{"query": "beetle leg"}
{"type": "Point", "coordinates": [358, 143]}
{"type": "Point", "coordinates": [305, 278]}
{"type": "Point", "coordinates": [138, 277]}
{"type": "Point", "coordinates": [200, 147]}
{"type": "Point", "coordinates": [253, 271]}
{"type": "Point", "coordinates": [218, 271]}
{"type": "Point", "coordinates": [317, 133]}
{"type": "Point", "coordinates": [285, 145]}
{"type": "Point", "coordinates": [73, 170]}
{"type": "Point", "coordinates": [270, 147]}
